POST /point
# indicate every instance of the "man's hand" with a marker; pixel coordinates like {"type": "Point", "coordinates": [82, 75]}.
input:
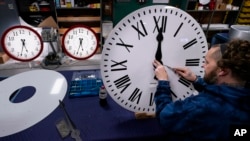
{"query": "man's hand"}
{"type": "Point", "coordinates": [186, 73]}
{"type": "Point", "coordinates": [160, 71]}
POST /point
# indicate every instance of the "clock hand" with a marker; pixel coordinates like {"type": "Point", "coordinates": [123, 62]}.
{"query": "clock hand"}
{"type": "Point", "coordinates": [159, 38]}
{"type": "Point", "coordinates": [158, 54]}
{"type": "Point", "coordinates": [23, 44]}
{"type": "Point", "coordinates": [171, 68]}
{"type": "Point", "coordinates": [75, 133]}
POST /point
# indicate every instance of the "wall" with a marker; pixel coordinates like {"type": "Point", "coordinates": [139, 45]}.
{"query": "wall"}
{"type": "Point", "coordinates": [121, 9]}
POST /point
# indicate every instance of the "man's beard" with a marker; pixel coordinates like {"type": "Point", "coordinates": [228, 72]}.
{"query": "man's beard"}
{"type": "Point", "coordinates": [211, 78]}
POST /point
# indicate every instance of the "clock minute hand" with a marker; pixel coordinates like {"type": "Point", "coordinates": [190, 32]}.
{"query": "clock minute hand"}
{"type": "Point", "coordinates": [23, 46]}
{"type": "Point", "coordinates": [80, 44]}
{"type": "Point", "coordinates": [158, 54]}
{"type": "Point", "coordinates": [159, 38]}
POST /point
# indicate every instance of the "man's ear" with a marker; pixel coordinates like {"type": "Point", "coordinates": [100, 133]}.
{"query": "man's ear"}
{"type": "Point", "coordinates": [223, 71]}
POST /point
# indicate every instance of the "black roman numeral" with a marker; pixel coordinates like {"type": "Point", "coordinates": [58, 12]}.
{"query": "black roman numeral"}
{"type": "Point", "coordinates": [135, 95]}
{"type": "Point", "coordinates": [127, 46]}
{"type": "Point", "coordinates": [189, 44]}
{"type": "Point", "coordinates": [162, 24]}
{"type": "Point", "coordinates": [118, 66]}
{"type": "Point", "coordinates": [178, 29]}
{"type": "Point", "coordinates": [141, 31]}
{"type": "Point", "coordinates": [184, 81]}
{"type": "Point", "coordinates": [151, 100]}
{"type": "Point", "coordinates": [192, 62]}
{"type": "Point", "coordinates": [172, 93]}
{"type": "Point", "coordinates": [123, 82]}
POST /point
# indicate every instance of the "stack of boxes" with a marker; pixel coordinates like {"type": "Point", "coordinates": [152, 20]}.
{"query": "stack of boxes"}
{"type": "Point", "coordinates": [244, 16]}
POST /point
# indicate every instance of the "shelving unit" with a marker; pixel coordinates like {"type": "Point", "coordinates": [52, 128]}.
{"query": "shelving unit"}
{"type": "Point", "coordinates": [244, 16]}
{"type": "Point", "coordinates": [216, 20]}
{"type": "Point", "coordinates": [88, 16]}
{"type": "Point", "coordinates": [68, 17]}
{"type": "Point", "coordinates": [33, 12]}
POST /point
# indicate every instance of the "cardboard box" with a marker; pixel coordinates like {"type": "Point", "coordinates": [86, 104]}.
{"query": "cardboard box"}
{"type": "Point", "coordinates": [221, 6]}
{"type": "Point", "coordinates": [3, 57]}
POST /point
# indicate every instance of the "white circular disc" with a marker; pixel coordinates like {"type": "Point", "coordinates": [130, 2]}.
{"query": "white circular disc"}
{"type": "Point", "coordinates": [50, 87]}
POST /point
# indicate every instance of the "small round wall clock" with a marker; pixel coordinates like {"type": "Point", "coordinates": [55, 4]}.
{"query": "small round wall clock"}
{"type": "Point", "coordinates": [160, 32]}
{"type": "Point", "coordinates": [80, 42]}
{"type": "Point", "coordinates": [22, 43]}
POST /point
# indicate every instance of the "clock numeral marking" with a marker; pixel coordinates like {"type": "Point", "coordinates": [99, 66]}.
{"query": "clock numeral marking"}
{"type": "Point", "coordinates": [184, 81]}
{"type": "Point", "coordinates": [192, 62]}
{"type": "Point", "coordinates": [189, 44]}
{"type": "Point", "coordinates": [142, 32]}
{"type": "Point", "coordinates": [70, 37]}
{"type": "Point", "coordinates": [135, 95]}
{"type": "Point", "coordinates": [127, 46]}
{"type": "Point", "coordinates": [12, 50]}
{"type": "Point", "coordinates": [22, 32]}
{"type": "Point", "coordinates": [173, 94]}
{"type": "Point", "coordinates": [15, 33]}
{"type": "Point", "coordinates": [151, 100]}
{"type": "Point", "coordinates": [163, 23]}
{"type": "Point", "coordinates": [178, 29]}
{"type": "Point", "coordinates": [80, 30]}
{"type": "Point", "coordinates": [36, 49]}
{"type": "Point", "coordinates": [74, 32]}
{"type": "Point", "coordinates": [123, 82]}
{"type": "Point", "coordinates": [118, 66]}
{"type": "Point", "coordinates": [32, 53]}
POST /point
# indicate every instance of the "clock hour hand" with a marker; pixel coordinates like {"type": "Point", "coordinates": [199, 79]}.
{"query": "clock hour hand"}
{"type": "Point", "coordinates": [158, 54]}
{"type": "Point", "coordinates": [159, 38]}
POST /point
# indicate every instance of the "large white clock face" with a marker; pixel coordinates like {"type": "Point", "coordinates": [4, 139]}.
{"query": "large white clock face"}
{"type": "Point", "coordinates": [80, 42]}
{"type": "Point", "coordinates": [132, 46]}
{"type": "Point", "coordinates": [22, 43]}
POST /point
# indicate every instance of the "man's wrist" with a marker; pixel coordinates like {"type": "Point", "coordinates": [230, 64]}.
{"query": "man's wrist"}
{"type": "Point", "coordinates": [196, 78]}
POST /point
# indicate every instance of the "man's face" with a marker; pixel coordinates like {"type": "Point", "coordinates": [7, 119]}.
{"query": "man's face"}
{"type": "Point", "coordinates": [210, 67]}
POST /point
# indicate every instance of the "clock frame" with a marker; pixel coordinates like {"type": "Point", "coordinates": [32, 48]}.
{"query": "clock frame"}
{"type": "Point", "coordinates": [80, 42]}
{"type": "Point", "coordinates": [22, 43]}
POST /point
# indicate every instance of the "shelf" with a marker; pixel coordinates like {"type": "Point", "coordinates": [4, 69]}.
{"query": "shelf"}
{"type": "Point", "coordinates": [78, 19]}
{"type": "Point", "coordinates": [215, 27]}
{"type": "Point", "coordinates": [70, 8]}
{"type": "Point", "coordinates": [96, 29]}
{"type": "Point", "coordinates": [212, 10]}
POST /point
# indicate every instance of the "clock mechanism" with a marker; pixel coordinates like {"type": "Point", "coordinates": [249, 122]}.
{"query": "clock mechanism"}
{"type": "Point", "coordinates": [80, 42]}
{"type": "Point", "coordinates": [22, 43]}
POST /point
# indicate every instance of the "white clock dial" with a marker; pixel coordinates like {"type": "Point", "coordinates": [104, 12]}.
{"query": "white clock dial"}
{"type": "Point", "coordinates": [22, 43]}
{"type": "Point", "coordinates": [132, 46]}
{"type": "Point", "coordinates": [80, 42]}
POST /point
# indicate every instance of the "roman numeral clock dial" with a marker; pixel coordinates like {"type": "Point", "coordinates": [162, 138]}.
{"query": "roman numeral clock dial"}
{"type": "Point", "coordinates": [160, 32]}
{"type": "Point", "coordinates": [80, 42]}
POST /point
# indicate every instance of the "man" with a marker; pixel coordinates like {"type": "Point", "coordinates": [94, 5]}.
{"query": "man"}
{"type": "Point", "coordinates": [223, 99]}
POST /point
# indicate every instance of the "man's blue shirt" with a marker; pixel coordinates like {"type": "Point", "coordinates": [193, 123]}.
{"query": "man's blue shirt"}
{"type": "Point", "coordinates": [206, 116]}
